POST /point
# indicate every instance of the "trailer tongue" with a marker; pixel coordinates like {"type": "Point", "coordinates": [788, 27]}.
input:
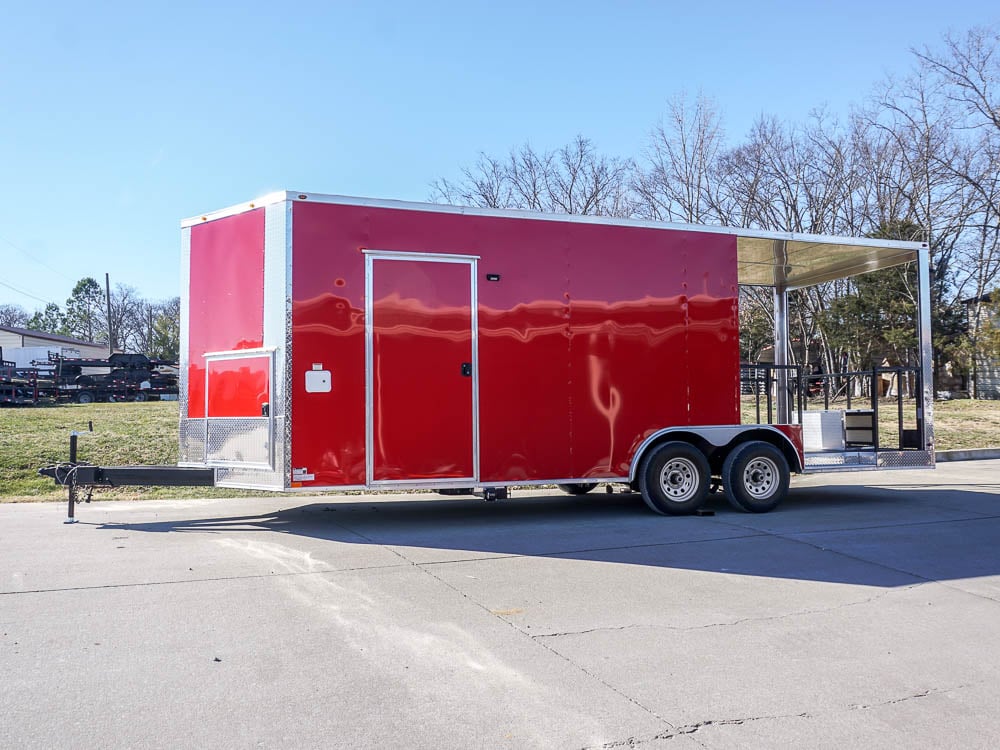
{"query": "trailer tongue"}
{"type": "Point", "coordinates": [334, 343]}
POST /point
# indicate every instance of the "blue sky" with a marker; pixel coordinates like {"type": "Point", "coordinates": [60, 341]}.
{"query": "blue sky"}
{"type": "Point", "coordinates": [117, 120]}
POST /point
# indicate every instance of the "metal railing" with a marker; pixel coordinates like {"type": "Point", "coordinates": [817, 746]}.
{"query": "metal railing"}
{"type": "Point", "coordinates": [851, 388]}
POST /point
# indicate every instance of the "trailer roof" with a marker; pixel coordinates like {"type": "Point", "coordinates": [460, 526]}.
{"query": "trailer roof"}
{"type": "Point", "coordinates": [765, 258]}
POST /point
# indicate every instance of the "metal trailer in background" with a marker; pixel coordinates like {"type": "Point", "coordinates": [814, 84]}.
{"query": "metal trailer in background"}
{"type": "Point", "coordinates": [18, 385]}
{"type": "Point", "coordinates": [343, 343]}
{"type": "Point", "coordinates": [119, 377]}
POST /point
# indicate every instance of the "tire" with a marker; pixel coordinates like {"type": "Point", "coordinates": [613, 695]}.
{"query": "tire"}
{"type": "Point", "coordinates": [141, 396]}
{"type": "Point", "coordinates": [85, 397]}
{"type": "Point", "coordinates": [576, 489]}
{"type": "Point", "coordinates": [755, 476]}
{"type": "Point", "coordinates": [674, 479]}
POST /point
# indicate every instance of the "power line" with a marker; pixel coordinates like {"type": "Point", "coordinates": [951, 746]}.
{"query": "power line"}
{"type": "Point", "coordinates": [27, 294]}
{"type": "Point", "coordinates": [39, 261]}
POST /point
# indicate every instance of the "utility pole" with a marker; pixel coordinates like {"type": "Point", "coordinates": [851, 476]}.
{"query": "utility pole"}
{"type": "Point", "coordinates": [111, 328]}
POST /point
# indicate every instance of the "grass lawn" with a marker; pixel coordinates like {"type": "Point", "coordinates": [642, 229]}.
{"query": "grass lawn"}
{"type": "Point", "coordinates": [146, 433]}
{"type": "Point", "coordinates": [124, 433]}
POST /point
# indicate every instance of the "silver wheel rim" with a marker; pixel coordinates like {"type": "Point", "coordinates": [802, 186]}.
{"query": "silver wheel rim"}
{"type": "Point", "coordinates": [679, 480]}
{"type": "Point", "coordinates": [761, 478]}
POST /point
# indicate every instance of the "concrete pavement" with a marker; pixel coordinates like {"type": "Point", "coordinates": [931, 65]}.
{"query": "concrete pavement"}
{"type": "Point", "coordinates": [865, 612]}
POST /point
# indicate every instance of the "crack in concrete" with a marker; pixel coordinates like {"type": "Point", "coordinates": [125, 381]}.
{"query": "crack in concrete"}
{"type": "Point", "coordinates": [426, 571]}
{"type": "Point", "coordinates": [913, 696]}
{"type": "Point", "coordinates": [687, 729]}
{"type": "Point", "coordinates": [740, 621]}
{"type": "Point", "coordinates": [608, 628]}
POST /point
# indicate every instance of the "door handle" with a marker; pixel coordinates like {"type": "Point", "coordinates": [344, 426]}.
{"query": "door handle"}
{"type": "Point", "coordinates": [467, 369]}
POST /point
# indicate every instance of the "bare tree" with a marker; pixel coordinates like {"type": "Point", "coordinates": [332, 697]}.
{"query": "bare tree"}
{"type": "Point", "coordinates": [13, 315]}
{"type": "Point", "coordinates": [681, 156]}
{"type": "Point", "coordinates": [574, 179]}
{"type": "Point", "coordinates": [968, 71]}
{"type": "Point", "coordinates": [920, 161]}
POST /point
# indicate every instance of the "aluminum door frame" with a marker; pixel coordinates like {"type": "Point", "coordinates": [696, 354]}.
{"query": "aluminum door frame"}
{"type": "Point", "coordinates": [472, 261]}
{"type": "Point", "coordinates": [225, 356]}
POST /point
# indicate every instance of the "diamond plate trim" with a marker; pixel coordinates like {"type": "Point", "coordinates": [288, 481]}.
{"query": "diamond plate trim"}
{"type": "Point", "coordinates": [243, 477]}
{"type": "Point", "coordinates": [852, 460]}
{"type": "Point", "coordinates": [285, 467]}
{"type": "Point", "coordinates": [845, 459]}
{"type": "Point", "coordinates": [192, 437]}
{"type": "Point", "coordinates": [905, 459]}
{"type": "Point", "coordinates": [239, 440]}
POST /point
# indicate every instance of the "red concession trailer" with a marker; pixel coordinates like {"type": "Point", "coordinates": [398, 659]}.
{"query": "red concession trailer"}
{"type": "Point", "coordinates": [330, 342]}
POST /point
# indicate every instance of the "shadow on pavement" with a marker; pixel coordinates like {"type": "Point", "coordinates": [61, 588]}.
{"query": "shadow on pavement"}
{"type": "Point", "coordinates": [874, 536]}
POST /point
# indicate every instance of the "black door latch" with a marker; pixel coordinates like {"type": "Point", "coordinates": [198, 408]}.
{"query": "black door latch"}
{"type": "Point", "coordinates": [467, 369]}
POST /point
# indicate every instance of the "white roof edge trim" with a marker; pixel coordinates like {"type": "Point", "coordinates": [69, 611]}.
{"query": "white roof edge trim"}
{"type": "Point", "coordinates": [509, 213]}
{"type": "Point", "coordinates": [264, 200]}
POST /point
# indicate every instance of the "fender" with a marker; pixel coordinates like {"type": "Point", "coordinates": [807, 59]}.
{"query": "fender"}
{"type": "Point", "coordinates": [718, 436]}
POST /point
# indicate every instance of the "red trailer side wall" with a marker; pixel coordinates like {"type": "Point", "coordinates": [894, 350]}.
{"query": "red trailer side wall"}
{"type": "Point", "coordinates": [226, 302]}
{"type": "Point", "coordinates": [594, 337]}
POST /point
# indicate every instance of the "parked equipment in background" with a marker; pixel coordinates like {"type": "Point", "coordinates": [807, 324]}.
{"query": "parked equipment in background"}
{"type": "Point", "coordinates": [344, 343]}
{"type": "Point", "coordinates": [120, 377]}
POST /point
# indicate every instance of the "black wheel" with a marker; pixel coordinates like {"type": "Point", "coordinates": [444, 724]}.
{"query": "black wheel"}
{"type": "Point", "coordinates": [576, 489]}
{"type": "Point", "coordinates": [674, 479]}
{"type": "Point", "coordinates": [140, 396]}
{"type": "Point", "coordinates": [85, 397]}
{"type": "Point", "coordinates": [755, 476]}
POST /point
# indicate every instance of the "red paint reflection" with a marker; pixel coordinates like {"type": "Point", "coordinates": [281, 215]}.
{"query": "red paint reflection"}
{"type": "Point", "coordinates": [226, 294]}
{"type": "Point", "coordinates": [594, 337]}
{"type": "Point", "coordinates": [238, 387]}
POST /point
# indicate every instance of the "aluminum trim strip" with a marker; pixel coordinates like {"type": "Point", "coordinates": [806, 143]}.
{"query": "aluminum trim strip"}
{"type": "Point", "coordinates": [426, 483]}
{"type": "Point", "coordinates": [552, 482]}
{"type": "Point", "coordinates": [431, 484]}
{"type": "Point", "coordinates": [326, 489]}
{"type": "Point", "coordinates": [239, 208]}
{"type": "Point", "coordinates": [510, 213]}
{"type": "Point", "coordinates": [840, 468]}
{"type": "Point", "coordinates": [274, 330]}
{"type": "Point", "coordinates": [238, 485]}
{"type": "Point", "coordinates": [370, 257]}
{"type": "Point", "coordinates": [346, 200]}
{"type": "Point", "coordinates": [184, 343]}
{"type": "Point", "coordinates": [242, 353]}
{"type": "Point", "coordinates": [223, 464]}
{"type": "Point", "coordinates": [926, 349]}
{"type": "Point", "coordinates": [474, 302]}
{"type": "Point", "coordinates": [428, 257]}
{"type": "Point", "coordinates": [271, 412]}
{"type": "Point", "coordinates": [369, 371]}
